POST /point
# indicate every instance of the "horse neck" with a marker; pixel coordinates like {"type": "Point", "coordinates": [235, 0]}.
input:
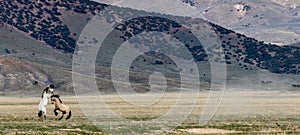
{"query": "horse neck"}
{"type": "Point", "coordinates": [45, 94]}
{"type": "Point", "coordinates": [57, 102]}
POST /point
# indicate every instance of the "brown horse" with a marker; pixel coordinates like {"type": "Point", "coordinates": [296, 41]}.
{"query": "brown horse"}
{"type": "Point", "coordinates": [60, 106]}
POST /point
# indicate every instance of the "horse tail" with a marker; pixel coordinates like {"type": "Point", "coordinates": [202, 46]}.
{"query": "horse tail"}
{"type": "Point", "coordinates": [40, 113]}
{"type": "Point", "coordinates": [69, 116]}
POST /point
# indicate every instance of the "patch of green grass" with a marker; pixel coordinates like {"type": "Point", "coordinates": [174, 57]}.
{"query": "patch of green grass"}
{"type": "Point", "coordinates": [189, 126]}
{"type": "Point", "coordinates": [145, 118]}
{"type": "Point", "coordinates": [135, 129]}
{"type": "Point", "coordinates": [252, 125]}
{"type": "Point", "coordinates": [238, 127]}
{"type": "Point", "coordinates": [88, 128]}
{"type": "Point", "coordinates": [51, 125]}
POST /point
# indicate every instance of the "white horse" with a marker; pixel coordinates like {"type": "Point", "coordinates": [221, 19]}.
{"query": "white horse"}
{"type": "Point", "coordinates": [48, 91]}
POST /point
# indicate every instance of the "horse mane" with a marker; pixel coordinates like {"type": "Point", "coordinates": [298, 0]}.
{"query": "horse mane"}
{"type": "Point", "coordinates": [45, 90]}
{"type": "Point", "coordinates": [56, 96]}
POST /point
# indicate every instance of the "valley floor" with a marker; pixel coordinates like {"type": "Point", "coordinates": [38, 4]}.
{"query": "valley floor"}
{"type": "Point", "coordinates": [240, 112]}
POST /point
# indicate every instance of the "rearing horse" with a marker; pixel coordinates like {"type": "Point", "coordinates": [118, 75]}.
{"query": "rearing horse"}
{"type": "Point", "coordinates": [61, 107]}
{"type": "Point", "coordinates": [44, 100]}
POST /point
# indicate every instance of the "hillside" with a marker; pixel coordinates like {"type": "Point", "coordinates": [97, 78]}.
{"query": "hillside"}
{"type": "Point", "coordinates": [46, 21]}
{"type": "Point", "coordinates": [24, 78]}
{"type": "Point", "coordinates": [273, 21]}
{"type": "Point", "coordinates": [43, 35]}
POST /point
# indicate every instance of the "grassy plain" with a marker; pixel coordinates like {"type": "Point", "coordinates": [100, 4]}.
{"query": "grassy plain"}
{"type": "Point", "coordinates": [241, 112]}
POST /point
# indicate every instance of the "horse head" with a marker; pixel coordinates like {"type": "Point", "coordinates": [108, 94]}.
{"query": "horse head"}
{"type": "Point", "coordinates": [54, 98]}
{"type": "Point", "coordinates": [51, 87]}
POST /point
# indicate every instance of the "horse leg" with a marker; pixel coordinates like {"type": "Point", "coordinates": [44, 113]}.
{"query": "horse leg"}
{"type": "Point", "coordinates": [69, 115]}
{"type": "Point", "coordinates": [40, 114]}
{"type": "Point", "coordinates": [45, 113]}
{"type": "Point", "coordinates": [42, 110]}
{"type": "Point", "coordinates": [55, 112]}
{"type": "Point", "coordinates": [63, 113]}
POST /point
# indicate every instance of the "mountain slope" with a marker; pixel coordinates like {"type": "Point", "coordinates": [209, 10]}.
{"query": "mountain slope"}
{"type": "Point", "coordinates": [46, 21]}
{"type": "Point", "coordinates": [273, 21]}
{"type": "Point", "coordinates": [24, 78]}
{"type": "Point", "coordinates": [44, 51]}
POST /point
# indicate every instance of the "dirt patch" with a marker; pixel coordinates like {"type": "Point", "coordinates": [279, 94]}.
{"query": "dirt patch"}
{"type": "Point", "coordinates": [208, 131]}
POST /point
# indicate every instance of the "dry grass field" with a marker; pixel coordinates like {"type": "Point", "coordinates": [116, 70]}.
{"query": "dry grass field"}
{"type": "Point", "coordinates": [241, 112]}
{"type": "Point", "coordinates": [19, 116]}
